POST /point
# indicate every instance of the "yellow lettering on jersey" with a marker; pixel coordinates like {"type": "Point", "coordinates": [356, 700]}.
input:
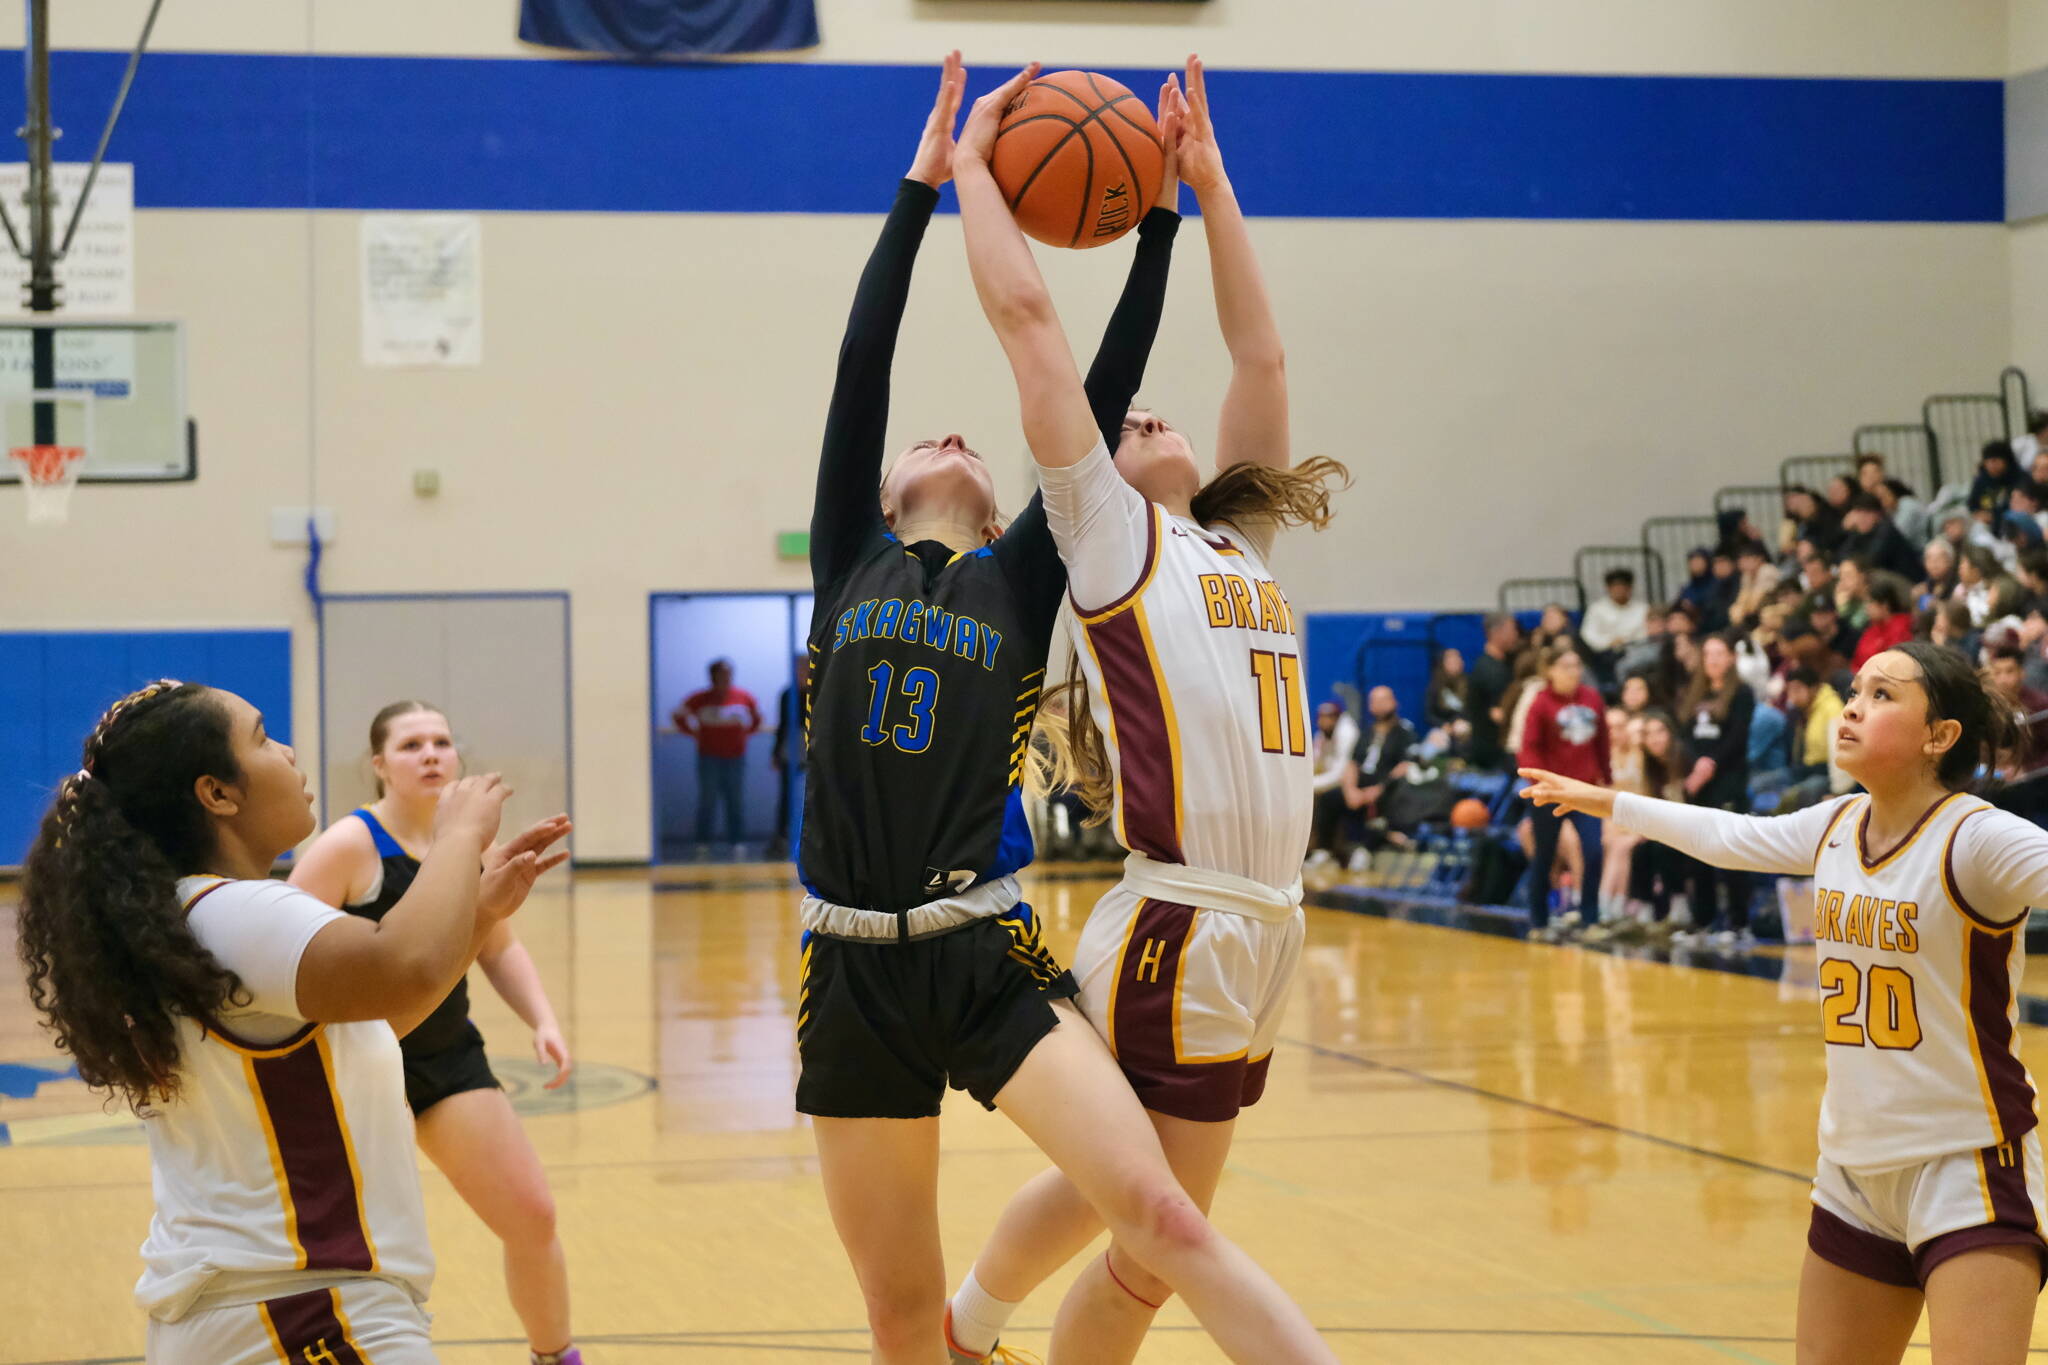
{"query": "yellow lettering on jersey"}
{"type": "Point", "coordinates": [1841, 992]}
{"type": "Point", "coordinates": [320, 1354]}
{"type": "Point", "coordinates": [1893, 1019]}
{"type": "Point", "coordinates": [1884, 925]}
{"type": "Point", "coordinates": [1216, 598]}
{"type": "Point", "coordinates": [1155, 950]}
{"type": "Point", "coordinates": [1830, 919]}
{"type": "Point", "coordinates": [1269, 614]}
{"type": "Point", "coordinates": [1866, 923]}
{"type": "Point", "coordinates": [1908, 936]}
{"type": "Point", "coordinates": [1243, 614]}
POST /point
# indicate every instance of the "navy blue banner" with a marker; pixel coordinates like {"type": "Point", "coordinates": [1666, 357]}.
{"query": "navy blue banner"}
{"type": "Point", "coordinates": [231, 131]}
{"type": "Point", "coordinates": [670, 28]}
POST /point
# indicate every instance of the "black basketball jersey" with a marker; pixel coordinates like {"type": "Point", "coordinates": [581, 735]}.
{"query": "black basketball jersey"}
{"type": "Point", "coordinates": [447, 1025]}
{"type": "Point", "coordinates": [926, 670]}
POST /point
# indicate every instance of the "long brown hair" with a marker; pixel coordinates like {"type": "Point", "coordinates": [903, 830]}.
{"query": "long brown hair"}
{"type": "Point", "coordinates": [1067, 749]}
{"type": "Point", "coordinates": [1699, 692]}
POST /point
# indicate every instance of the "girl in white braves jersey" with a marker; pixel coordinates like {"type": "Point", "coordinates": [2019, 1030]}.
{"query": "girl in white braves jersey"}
{"type": "Point", "coordinates": [246, 1023]}
{"type": "Point", "coordinates": [1929, 1187]}
{"type": "Point", "coordinates": [1195, 735]}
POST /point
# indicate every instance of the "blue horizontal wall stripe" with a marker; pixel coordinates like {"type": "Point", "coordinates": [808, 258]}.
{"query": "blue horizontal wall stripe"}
{"type": "Point", "coordinates": [253, 131]}
{"type": "Point", "coordinates": [55, 684]}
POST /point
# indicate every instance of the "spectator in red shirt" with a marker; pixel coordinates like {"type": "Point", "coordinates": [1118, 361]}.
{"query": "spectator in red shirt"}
{"type": "Point", "coordinates": [1890, 603]}
{"type": "Point", "coordinates": [1566, 732]}
{"type": "Point", "coordinates": [720, 718]}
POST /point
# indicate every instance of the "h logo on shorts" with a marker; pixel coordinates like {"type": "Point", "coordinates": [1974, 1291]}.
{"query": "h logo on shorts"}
{"type": "Point", "coordinates": [1155, 951]}
{"type": "Point", "coordinates": [319, 1354]}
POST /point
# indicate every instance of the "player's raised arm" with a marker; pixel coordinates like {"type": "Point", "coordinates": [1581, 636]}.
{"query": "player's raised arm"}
{"type": "Point", "coordinates": [1058, 425]}
{"type": "Point", "coordinates": [846, 509]}
{"type": "Point", "coordinates": [1785, 845]}
{"type": "Point", "coordinates": [1119, 366]}
{"type": "Point", "coordinates": [1253, 426]}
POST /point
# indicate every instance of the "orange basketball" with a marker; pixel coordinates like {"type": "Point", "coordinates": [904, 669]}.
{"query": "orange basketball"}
{"type": "Point", "coordinates": [1078, 158]}
{"type": "Point", "coordinates": [1469, 814]}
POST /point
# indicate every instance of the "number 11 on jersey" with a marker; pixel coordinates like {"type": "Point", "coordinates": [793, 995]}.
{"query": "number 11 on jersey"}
{"type": "Point", "coordinates": [1283, 728]}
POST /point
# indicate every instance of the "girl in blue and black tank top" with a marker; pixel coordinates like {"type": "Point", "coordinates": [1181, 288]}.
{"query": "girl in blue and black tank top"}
{"type": "Point", "coordinates": [363, 864]}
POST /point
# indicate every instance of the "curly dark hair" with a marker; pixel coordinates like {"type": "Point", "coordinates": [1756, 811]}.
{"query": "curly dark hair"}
{"type": "Point", "coordinates": [112, 965]}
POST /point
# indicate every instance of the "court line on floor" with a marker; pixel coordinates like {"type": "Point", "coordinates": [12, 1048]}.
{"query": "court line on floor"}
{"type": "Point", "coordinates": [1584, 1121]}
{"type": "Point", "coordinates": [788, 1340]}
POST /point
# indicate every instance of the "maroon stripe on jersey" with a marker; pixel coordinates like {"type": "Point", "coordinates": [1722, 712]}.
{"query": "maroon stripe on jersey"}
{"type": "Point", "coordinates": [1144, 745]}
{"type": "Point", "coordinates": [308, 1327]}
{"type": "Point", "coordinates": [1955, 893]}
{"type": "Point", "coordinates": [2012, 1096]}
{"type": "Point", "coordinates": [1144, 572]}
{"type": "Point", "coordinates": [314, 1152]}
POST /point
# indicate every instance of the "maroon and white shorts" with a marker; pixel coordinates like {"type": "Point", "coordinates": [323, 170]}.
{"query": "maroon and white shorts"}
{"type": "Point", "coordinates": [1896, 1226]}
{"type": "Point", "coordinates": [1189, 998]}
{"type": "Point", "coordinates": [359, 1322]}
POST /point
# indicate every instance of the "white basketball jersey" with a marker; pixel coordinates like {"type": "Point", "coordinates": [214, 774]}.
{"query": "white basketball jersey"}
{"type": "Point", "coordinates": [1919, 1000]}
{"type": "Point", "coordinates": [284, 1156]}
{"type": "Point", "coordinates": [1195, 680]}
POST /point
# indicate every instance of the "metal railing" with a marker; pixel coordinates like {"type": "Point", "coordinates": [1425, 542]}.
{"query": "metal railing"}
{"type": "Point", "coordinates": [1813, 471]}
{"type": "Point", "coordinates": [1519, 595]}
{"type": "Point", "coordinates": [1962, 424]}
{"type": "Point", "coordinates": [1668, 540]}
{"type": "Point", "coordinates": [1762, 503]}
{"type": "Point", "coordinates": [1908, 450]}
{"type": "Point", "coordinates": [2019, 403]}
{"type": "Point", "coordinates": [1593, 563]}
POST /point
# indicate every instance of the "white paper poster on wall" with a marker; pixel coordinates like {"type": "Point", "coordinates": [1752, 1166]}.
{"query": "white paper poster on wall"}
{"type": "Point", "coordinates": [98, 275]}
{"type": "Point", "coordinates": [422, 289]}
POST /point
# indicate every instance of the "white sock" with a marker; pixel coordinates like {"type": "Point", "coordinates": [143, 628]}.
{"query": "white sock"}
{"type": "Point", "coordinates": [978, 1317]}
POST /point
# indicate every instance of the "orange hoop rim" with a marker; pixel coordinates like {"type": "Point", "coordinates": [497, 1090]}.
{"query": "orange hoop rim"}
{"type": "Point", "coordinates": [47, 465]}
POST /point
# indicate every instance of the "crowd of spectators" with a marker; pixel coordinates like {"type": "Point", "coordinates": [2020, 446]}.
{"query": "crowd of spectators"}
{"type": "Point", "coordinates": [1725, 695]}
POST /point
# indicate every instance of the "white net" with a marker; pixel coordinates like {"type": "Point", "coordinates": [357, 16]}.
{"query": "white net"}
{"type": "Point", "coordinates": [48, 474]}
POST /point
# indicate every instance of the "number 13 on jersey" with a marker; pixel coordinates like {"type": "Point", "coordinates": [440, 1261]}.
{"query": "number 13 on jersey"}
{"type": "Point", "coordinates": [1283, 722]}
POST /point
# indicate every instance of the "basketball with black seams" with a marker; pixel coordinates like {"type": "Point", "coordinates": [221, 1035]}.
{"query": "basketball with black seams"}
{"type": "Point", "coordinates": [1078, 158]}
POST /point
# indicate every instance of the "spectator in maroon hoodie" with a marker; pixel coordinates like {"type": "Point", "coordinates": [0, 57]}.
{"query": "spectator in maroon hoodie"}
{"type": "Point", "coordinates": [1566, 732]}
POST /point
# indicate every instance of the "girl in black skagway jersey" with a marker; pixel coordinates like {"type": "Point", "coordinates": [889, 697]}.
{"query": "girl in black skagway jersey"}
{"type": "Point", "coordinates": [463, 1120]}
{"type": "Point", "coordinates": [921, 966]}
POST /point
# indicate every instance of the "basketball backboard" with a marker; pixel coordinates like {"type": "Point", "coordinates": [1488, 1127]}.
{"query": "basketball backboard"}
{"type": "Point", "coordinates": [132, 377]}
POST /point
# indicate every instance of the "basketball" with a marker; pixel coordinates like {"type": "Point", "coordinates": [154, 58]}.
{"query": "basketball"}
{"type": "Point", "coordinates": [1469, 814]}
{"type": "Point", "coordinates": [1078, 158]}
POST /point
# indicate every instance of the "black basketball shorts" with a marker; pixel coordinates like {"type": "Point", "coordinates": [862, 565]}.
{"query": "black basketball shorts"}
{"type": "Point", "coordinates": [883, 1028]}
{"type": "Point", "coordinates": [434, 1076]}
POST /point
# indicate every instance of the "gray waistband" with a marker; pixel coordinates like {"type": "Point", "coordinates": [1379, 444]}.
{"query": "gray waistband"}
{"type": "Point", "coordinates": [929, 920]}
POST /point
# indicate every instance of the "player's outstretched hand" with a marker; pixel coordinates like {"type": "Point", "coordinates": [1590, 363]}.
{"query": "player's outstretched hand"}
{"type": "Point", "coordinates": [510, 869]}
{"type": "Point", "coordinates": [537, 838]}
{"type": "Point", "coordinates": [933, 163]}
{"type": "Point", "coordinates": [1201, 160]}
{"type": "Point", "coordinates": [1568, 795]}
{"type": "Point", "coordinates": [1173, 106]}
{"type": "Point", "coordinates": [985, 120]}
